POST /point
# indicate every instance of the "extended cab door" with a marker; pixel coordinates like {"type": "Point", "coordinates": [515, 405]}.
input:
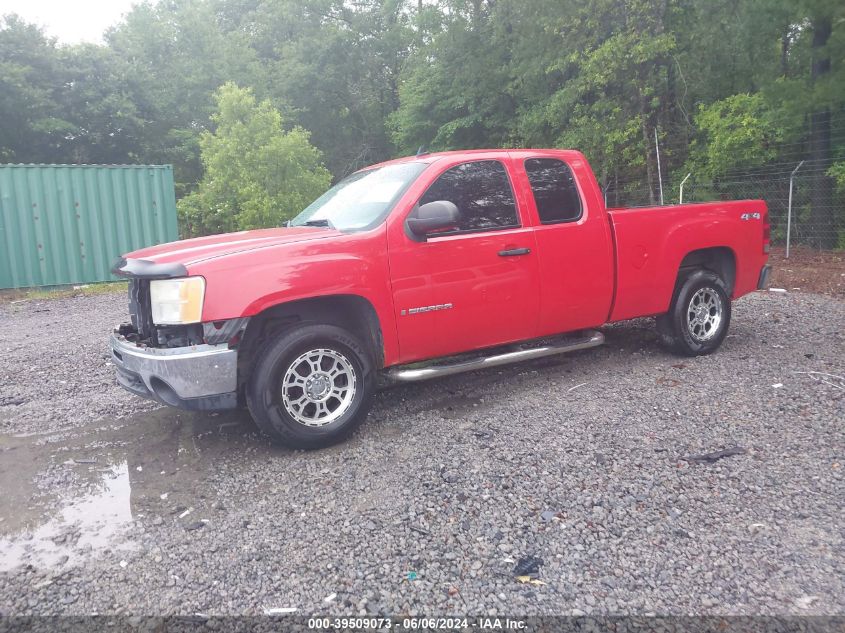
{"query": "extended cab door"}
{"type": "Point", "coordinates": [472, 287]}
{"type": "Point", "coordinates": [574, 243]}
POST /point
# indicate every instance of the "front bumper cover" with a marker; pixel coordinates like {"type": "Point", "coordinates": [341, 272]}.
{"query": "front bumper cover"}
{"type": "Point", "coordinates": [198, 377]}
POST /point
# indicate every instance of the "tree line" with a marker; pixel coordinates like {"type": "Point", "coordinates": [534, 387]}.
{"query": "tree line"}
{"type": "Point", "coordinates": [247, 98]}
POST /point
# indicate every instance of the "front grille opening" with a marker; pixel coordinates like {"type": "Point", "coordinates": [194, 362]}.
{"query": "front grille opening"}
{"type": "Point", "coordinates": [140, 310]}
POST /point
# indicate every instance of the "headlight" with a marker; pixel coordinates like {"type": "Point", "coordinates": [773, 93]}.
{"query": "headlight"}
{"type": "Point", "coordinates": [177, 301]}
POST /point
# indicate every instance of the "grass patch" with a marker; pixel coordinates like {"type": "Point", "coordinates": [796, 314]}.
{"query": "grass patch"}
{"type": "Point", "coordinates": [61, 292]}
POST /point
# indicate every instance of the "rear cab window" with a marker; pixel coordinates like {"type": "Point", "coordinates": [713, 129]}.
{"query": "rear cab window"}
{"type": "Point", "coordinates": [482, 192]}
{"type": "Point", "coordinates": [555, 191]}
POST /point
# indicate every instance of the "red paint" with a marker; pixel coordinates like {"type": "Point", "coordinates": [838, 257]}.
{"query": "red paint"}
{"type": "Point", "coordinates": [611, 264]}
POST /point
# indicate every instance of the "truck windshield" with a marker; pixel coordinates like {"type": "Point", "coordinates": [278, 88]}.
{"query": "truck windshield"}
{"type": "Point", "coordinates": [362, 200]}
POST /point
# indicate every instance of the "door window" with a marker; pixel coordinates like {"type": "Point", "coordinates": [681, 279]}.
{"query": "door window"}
{"type": "Point", "coordinates": [482, 192]}
{"type": "Point", "coordinates": [555, 191]}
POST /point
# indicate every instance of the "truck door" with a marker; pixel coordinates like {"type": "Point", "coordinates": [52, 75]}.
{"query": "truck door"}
{"type": "Point", "coordinates": [472, 287]}
{"type": "Point", "coordinates": [574, 244]}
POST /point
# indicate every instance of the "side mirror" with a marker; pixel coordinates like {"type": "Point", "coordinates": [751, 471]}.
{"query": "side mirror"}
{"type": "Point", "coordinates": [431, 217]}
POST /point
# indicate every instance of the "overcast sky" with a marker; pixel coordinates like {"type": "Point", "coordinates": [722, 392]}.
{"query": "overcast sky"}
{"type": "Point", "coordinates": [72, 21]}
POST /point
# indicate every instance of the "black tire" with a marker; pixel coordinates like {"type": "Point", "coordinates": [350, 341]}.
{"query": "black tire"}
{"type": "Point", "coordinates": [274, 406]}
{"type": "Point", "coordinates": [691, 327]}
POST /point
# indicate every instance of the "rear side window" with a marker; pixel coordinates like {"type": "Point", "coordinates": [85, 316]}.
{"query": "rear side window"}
{"type": "Point", "coordinates": [555, 191]}
{"type": "Point", "coordinates": [481, 191]}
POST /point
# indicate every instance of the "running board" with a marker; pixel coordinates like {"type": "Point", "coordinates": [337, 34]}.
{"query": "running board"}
{"type": "Point", "coordinates": [589, 338]}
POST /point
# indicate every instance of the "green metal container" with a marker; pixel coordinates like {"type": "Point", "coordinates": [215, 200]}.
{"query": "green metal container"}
{"type": "Point", "coordinates": [65, 224]}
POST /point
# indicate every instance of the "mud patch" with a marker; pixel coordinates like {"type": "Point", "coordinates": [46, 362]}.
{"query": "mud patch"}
{"type": "Point", "coordinates": [84, 524]}
{"type": "Point", "coordinates": [67, 498]}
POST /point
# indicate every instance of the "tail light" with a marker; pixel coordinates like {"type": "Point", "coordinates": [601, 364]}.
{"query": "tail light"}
{"type": "Point", "coordinates": [767, 232]}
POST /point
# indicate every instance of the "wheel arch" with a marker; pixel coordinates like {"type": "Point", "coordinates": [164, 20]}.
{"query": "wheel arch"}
{"type": "Point", "coordinates": [718, 259]}
{"type": "Point", "coordinates": [349, 311]}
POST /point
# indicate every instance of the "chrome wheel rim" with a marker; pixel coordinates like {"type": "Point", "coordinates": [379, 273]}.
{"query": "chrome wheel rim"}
{"type": "Point", "coordinates": [704, 314]}
{"type": "Point", "coordinates": [318, 387]}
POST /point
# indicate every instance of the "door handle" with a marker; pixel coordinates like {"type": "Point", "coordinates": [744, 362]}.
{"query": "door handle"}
{"type": "Point", "coordinates": [514, 252]}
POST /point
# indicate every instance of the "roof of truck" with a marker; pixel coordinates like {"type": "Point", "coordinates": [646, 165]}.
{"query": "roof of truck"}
{"type": "Point", "coordinates": [427, 157]}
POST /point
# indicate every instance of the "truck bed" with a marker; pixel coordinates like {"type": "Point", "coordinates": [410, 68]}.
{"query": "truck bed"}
{"type": "Point", "coordinates": [652, 242]}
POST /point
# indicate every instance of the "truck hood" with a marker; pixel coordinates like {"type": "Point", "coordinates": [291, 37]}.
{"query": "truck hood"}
{"type": "Point", "coordinates": [199, 249]}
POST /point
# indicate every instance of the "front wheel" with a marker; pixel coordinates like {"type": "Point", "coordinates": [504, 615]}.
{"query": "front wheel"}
{"type": "Point", "coordinates": [698, 319]}
{"type": "Point", "coordinates": [312, 387]}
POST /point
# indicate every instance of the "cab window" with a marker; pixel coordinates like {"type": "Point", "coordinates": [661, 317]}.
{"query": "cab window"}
{"type": "Point", "coordinates": [555, 191]}
{"type": "Point", "coordinates": [482, 192]}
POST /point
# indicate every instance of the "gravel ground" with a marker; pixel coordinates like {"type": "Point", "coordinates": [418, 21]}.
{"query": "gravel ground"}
{"type": "Point", "coordinates": [54, 364]}
{"type": "Point", "coordinates": [578, 460]}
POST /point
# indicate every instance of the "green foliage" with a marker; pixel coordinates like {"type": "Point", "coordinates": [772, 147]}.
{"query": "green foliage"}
{"type": "Point", "coordinates": [103, 122]}
{"type": "Point", "coordinates": [725, 85]}
{"type": "Point", "coordinates": [336, 72]}
{"type": "Point", "coordinates": [454, 91]}
{"type": "Point", "coordinates": [29, 110]}
{"type": "Point", "coordinates": [610, 91]}
{"type": "Point", "coordinates": [837, 172]}
{"type": "Point", "coordinates": [735, 132]}
{"type": "Point", "coordinates": [176, 54]}
{"type": "Point", "coordinates": [255, 173]}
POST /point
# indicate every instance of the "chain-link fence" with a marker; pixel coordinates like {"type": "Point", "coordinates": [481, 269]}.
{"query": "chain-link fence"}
{"type": "Point", "coordinates": [818, 208]}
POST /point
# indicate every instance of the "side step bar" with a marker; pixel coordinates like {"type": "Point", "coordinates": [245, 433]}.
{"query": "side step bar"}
{"type": "Point", "coordinates": [589, 338]}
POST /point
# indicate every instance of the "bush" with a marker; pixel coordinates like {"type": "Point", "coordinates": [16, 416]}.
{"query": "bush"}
{"type": "Point", "coordinates": [256, 174]}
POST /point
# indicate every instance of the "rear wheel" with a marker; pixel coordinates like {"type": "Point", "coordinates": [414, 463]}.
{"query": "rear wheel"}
{"type": "Point", "coordinates": [312, 387]}
{"type": "Point", "coordinates": [698, 319]}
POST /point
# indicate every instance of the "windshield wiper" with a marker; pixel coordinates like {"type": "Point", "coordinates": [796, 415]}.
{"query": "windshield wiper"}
{"type": "Point", "coordinates": [320, 222]}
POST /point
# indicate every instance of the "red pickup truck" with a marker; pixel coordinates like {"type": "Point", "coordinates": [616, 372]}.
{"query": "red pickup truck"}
{"type": "Point", "coordinates": [418, 268]}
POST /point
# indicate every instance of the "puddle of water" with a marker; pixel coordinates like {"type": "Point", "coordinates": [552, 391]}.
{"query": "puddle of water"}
{"type": "Point", "coordinates": [66, 499]}
{"type": "Point", "coordinates": [85, 524]}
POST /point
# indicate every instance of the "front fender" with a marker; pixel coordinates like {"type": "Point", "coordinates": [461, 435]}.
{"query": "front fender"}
{"type": "Point", "coordinates": [245, 284]}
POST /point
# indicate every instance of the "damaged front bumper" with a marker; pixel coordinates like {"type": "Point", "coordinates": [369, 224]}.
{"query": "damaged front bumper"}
{"type": "Point", "coordinates": [197, 377]}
